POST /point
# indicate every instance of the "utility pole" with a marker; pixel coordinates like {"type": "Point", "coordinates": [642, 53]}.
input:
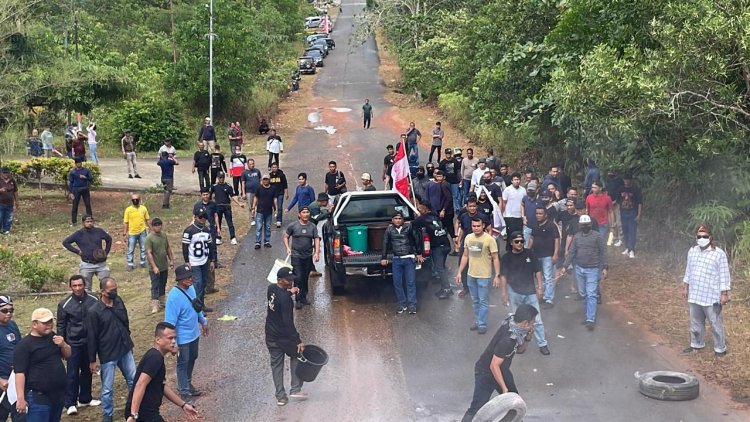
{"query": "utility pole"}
{"type": "Point", "coordinates": [211, 36]}
{"type": "Point", "coordinates": [171, 33]}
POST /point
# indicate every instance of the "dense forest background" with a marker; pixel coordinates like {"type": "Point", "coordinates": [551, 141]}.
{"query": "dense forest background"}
{"type": "Point", "coordinates": [659, 88]}
{"type": "Point", "coordinates": [142, 64]}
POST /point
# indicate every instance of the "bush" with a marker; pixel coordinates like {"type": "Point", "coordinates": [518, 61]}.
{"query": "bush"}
{"type": "Point", "coordinates": [150, 120]}
{"type": "Point", "coordinates": [30, 269]}
{"type": "Point", "coordinates": [55, 168]}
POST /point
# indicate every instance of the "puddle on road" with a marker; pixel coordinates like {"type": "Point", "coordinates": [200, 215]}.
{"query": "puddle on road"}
{"type": "Point", "coordinates": [328, 129]}
{"type": "Point", "coordinates": [341, 109]}
{"type": "Point", "coordinates": [313, 117]}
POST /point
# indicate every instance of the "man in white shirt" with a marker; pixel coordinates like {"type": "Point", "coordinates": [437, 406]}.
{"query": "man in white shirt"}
{"type": "Point", "coordinates": [511, 206]}
{"type": "Point", "coordinates": [476, 175]}
{"type": "Point", "coordinates": [274, 148]}
{"type": "Point", "coordinates": [168, 148]}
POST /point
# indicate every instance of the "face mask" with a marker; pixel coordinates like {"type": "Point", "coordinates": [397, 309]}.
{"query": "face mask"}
{"type": "Point", "coordinates": [586, 228]}
{"type": "Point", "coordinates": [703, 242]}
{"type": "Point", "coordinates": [487, 181]}
{"type": "Point", "coordinates": [112, 294]}
{"type": "Point", "coordinates": [136, 201]}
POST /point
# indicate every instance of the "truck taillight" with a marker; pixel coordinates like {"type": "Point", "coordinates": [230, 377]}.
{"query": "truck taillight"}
{"type": "Point", "coordinates": [426, 241]}
{"type": "Point", "coordinates": [337, 247]}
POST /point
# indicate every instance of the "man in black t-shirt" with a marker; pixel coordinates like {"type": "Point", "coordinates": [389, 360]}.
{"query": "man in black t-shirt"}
{"type": "Point", "coordinates": [40, 373]}
{"type": "Point", "coordinates": [201, 163]}
{"type": "Point", "coordinates": [388, 166]}
{"type": "Point", "coordinates": [440, 245]}
{"type": "Point", "coordinates": [218, 164]}
{"type": "Point", "coordinates": [264, 204]}
{"type": "Point", "coordinates": [451, 167]}
{"type": "Point", "coordinates": [224, 194]}
{"type": "Point", "coordinates": [144, 400]}
{"type": "Point", "coordinates": [10, 335]}
{"type": "Point", "coordinates": [282, 337]}
{"type": "Point", "coordinates": [545, 242]}
{"type": "Point", "coordinates": [521, 282]}
{"type": "Point", "coordinates": [335, 181]}
{"type": "Point", "coordinates": [492, 370]}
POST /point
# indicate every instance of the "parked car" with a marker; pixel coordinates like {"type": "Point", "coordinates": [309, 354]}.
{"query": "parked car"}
{"type": "Point", "coordinates": [313, 21]}
{"type": "Point", "coordinates": [306, 64]}
{"type": "Point", "coordinates": [316, 54]}
{"type": "Point", "coordinates": [320, 45]}
{"type": "Point", "coordinates": [320, 36]}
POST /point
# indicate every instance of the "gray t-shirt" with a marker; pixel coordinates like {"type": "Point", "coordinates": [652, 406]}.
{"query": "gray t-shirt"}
{"type": "Point", "coordinates": [303, 238]}
{"type": "Point", "coordinates": [437, 136]}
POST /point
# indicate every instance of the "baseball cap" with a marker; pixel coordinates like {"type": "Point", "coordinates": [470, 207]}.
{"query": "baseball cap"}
{"type": "Point", "coordinates": [515, 235]}
{"type": "Point", "coordinates": [182, 272]}
{"type": "Point", "coordinates": [265, 176]}
{"type": "Point", "coordinates": [201, 212]}
{"type": "Point", "coordinates": [156, 222]}
{"type": "Point", "coordinates": [286, 273]}
{"type": "Point", "coordinates": [78, 159]}
{"type": "Point", "coordinates": [449, 151]}
{"type": "Point", "coordinates": [366, 176]}
{"type": "Point", "coordinates": [42, 315]}
{"type": "Point", "coordinates": [482, 160]}
{"type": "Point", "coordinates": [532, 186]}
{"type": "Point", "coordinates": [585, 219]}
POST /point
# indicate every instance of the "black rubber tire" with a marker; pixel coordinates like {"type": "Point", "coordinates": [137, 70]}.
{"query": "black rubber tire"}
{"type": "Point", "coordinates": [508, 407]}
{"type": "Point", "coordinates": [337, 280]}
{"type": "Point", "coordinates": [669, 385]}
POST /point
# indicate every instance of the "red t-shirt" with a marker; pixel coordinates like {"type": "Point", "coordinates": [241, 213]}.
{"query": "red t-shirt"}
{"type": "Point", "coordinates": [599, 207]}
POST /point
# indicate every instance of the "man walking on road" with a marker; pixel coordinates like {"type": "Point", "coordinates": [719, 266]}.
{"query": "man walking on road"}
{"type": "Point", "coordinates": [274, 146]}
{"type": "Point", "coordinates": [8, 200]}
{"type": "Point", "coordinates": [207, 134]}
{"type": "Point", "coordinates": [202, 163]}
{"type": "Point", "coordinates": [403, 241]}
{"type": "Point", "coordinates": [468, 165]}
{"type": "Point", "coordinates": [224, 195]}
{"type": "Point", "coordinates": [40, 374]}
{"type": "Point", "coordinates": [545, 242]}
{"type": "Point", "coordinates": [280, 185]}
{"type": "Point", "coordinates": [437, 141]}
{"type": "Point", "coordinates": [127, 145]}
{"type": "Point", "coordinates": [335, 181]}
{"type": "Point", "coordinates": [588, 252]}
{"type": "Point", "coordinates": [480, 254]}
{"type": "Point", "coordinates": [10, 335]}
{"type": "Point", "coordinates": [160, 260]}
{"type": "Point", "coordinates": [706, 287]}
{"type": "Point", "coordinates": [136, 221]}
{"type": "Point", "coordinates": [79, 180]}
{"type": "Point", "coordinates": [388, 166]}
{"type": "Point", "coordinates": [108, 336]}
{"type": "Point", "coordinates": [144, 401]}
{"type": "Point", "coordinates": [185, 312]}
{"type": "Point", "coordinates": [93, 256]}
{"type": "Point", "coordinates": [250, 183]}
{"type": "Point", "coordinates": [304, 194]}
{"type": "Point", "coordinates": [630, 204]}
{"type": "Point", "coordinates": [304, 249]}
{"type": "Point", "coordinates": [71, 325]}
{"type": "Point", "coordinates": [521, 282]}
{"type": "Point", "coordinates": [167, 164]}
{"type": "Point", "coordinates": [367, 114]}
{"type": "Point", "coordinates": [199, 250]}
{"type": "Point", "coordinates": [451, 169]}
{"type": "Point", "coordinates": [492, 370]}
{"type": "Point", "coordinates": [265, 205]}
{"type": "Point", "coordinates": [282, 337]}
{"type": "Point", "coordinates": [440, 246]}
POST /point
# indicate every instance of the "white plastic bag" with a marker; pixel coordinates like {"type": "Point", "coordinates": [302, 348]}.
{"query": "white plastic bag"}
{"type": "Point", "coordinates": [277, 265]}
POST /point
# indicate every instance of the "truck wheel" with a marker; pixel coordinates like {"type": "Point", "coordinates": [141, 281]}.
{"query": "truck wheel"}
{"type": "Point", "coordinates": [337, 279]}
{"type": "Point", "coordinates": [669, 385]}
{"type": "Point", "coordinates": [508, 407]}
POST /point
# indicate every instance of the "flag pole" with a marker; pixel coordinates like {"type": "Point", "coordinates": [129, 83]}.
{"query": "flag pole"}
{"type": "Point", "coordinates": [411, 183]}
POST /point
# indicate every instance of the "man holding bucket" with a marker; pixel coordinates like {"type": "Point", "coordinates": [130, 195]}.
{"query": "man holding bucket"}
{"type": "Point", "coordinates": [282, 337]}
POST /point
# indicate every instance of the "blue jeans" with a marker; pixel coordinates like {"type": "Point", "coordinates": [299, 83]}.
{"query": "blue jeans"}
{"type": "Point", "coordinates": [465, 191]}
{"type": "Point", "coordinates": [412, 149]}
{"type": "Point", "coordinates": [588, 288]}
{"type": "Point", "coordinates": [548, 273]}
{"type": "Point", "coordinates": [92, 153]}
{"type": "Point", "coordinates": [6, 218]}
{"type": "Point", "coordinates": [280, 209]}
{"type": "Point", "coordinates": [526, 236]}
{"type": "Point", "coordinates": [604, 232]}
{"type": "Point", "coordinates": [456, 192]}
{"type": "Point", "coordinates": [185, 364]}
{"type": "Point", "coordinates": [263, 227]}
{"type": "Point", "coordinates": [517, 299]}
{"type": "Point", "coordinates": [127, 367]}
{"type": "Point", "coordinates": [140, 239]}
{"type": "Point", "coordinates": [405, 271]}
{"type": "Point", "coordinates": [38, 412]}
{"type": "Point", "coordinates": [479, 288]}
{"type": "Point", "coordinates": [200, 278]}
{"type": "Point", "coordinates": [629, 227]}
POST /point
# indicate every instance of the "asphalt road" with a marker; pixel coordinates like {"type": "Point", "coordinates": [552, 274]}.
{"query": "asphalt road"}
{"type": "Point", "coordinates": [387, 367]}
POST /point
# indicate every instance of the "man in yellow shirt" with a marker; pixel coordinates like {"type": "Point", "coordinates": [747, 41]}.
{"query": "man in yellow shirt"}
{"type": "Point", "coordinates": [135, 222]}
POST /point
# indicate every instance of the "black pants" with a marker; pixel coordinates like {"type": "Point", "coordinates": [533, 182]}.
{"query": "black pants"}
{"type": "Point", "coordinates": [158, 284]}
{"type": "Point", "coordinates": [273, 157]}
{"type": "Point", "coordinates": [367, 120]}
{"type": "Point", "coordinates": [485, 385]}
{"type": "Point", "coordinates": [78, 377]}
{"type": "Point", "coordinates": [78, 194]}
{"type": "Point", "coordinates": [434, 148]}
{"type": "Point", "coordinates": [512, 225]}
{"type": "Point", "coordinates": [7, 409]}
{"type": "Point", "coordinates": [236, 184]}
{"type": "Point", "coordinates": [302, 268]}
{"type": "Point", "coordinates": [203, 178]}
{"type": "Point", "coordinates": [225, 211]}
{"type": "Point", "coordinates": [214, 175]}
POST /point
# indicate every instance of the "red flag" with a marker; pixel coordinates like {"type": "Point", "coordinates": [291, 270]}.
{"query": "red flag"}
{"type": "Point", "coordinates": [400, 170]}
{"type": "Point", "coordinates": [326, 22]}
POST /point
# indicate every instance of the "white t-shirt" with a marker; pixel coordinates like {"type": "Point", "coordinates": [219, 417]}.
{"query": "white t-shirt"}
{"type": "Point", "coordinates": [170, 150]}
{"type": "Point", "coordinates": [512, 198]}
{"type": "Point", "coordinates": [476, 176]}
{"type": "Point", "coordinates": [274, 145]}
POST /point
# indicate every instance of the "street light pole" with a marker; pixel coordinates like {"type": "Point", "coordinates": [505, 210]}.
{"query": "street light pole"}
{"type": "Point", "coordinates": [211, 36]}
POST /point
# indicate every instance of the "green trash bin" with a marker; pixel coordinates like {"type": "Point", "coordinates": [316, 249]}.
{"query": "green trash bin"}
{"type": "Point", "coordinates": [357, 238]}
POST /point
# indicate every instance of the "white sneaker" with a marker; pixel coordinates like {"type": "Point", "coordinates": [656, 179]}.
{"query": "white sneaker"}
{"type": "Point", "coordinates": [72, 411]}
{"type": "Point", "coordinates": [92, 403]}
{"type": "Point", "coordinates": [618, 243]}
{"type": "Point", "coordinates": [278, 224]}
{"type": "Point", "coordinates": [625, 252]}
{"type": "Point", "coordinates": [218, 241]}
{"type": "Point", "coordinates": [631, 254]}
{"type": "Point", "coordinates": [252, 223]}
{"type": "Point", "coordinates": [234, 241]}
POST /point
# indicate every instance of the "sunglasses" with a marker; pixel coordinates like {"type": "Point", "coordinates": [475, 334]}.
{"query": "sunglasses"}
{"type": "Point", "coordinates": [7, 310]}
{"type": "Point", "coordinates": [518, 241]}
{"type": "Point", "coordinates": [702, 236]}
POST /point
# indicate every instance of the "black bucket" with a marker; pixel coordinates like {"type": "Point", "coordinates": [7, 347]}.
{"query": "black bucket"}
{"type": "Point", "coordinates": [311, 362]}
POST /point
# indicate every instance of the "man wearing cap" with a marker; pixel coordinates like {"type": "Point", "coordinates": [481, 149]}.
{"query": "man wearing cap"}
{"type": "Point", "coordinates": [492, 370]}
{"type": "Point", "coordinates": [588, 252]}
{"type": "Point", "coordinates": [199, 251]}
{"type": "Point", "coordinates": [282, 337]}
{"type": "Point", "coordinates": [40, 373]}
{"type": "Point", "coordinates": [127, 145]}
{"type": "Point", "coordinates": [367, 185]}
{"type": "Point", "coordinates": [186, 314]}
{"type": "Point", "coordinates": [403, 241]}
{"type": "Point", "coordinates": [108, 337]}
{"type": "Point", "coordinates": [71, 325]}
{"type": "Point", "coordinates": [304, 249]}
{"type": "Point", "coordinates": [321, 209]}
{"type": "Point", "coordinates": [8, 200]}
{"type": "Point", "coordinates": [167, 163]}
{"type": "Point", "coordinates": [160, 260]}
{"type": "Point", "coordinates": [521, 283]}
{"type": "Point", "coordinates": [136, 221]}
{"type": "Point", "coordinates": [476, 175]}
{"type": "Point", "coordinates": [279, 184]}
{"type": "Point", "coordinates": [89, 248]}
{"type": "Point", "coordinates": [388, 166]}
{"type": "Point", "coordinates": [265, 205]}
{"type": "Point", "coordinates": [224, 195]}
{"type": "Point", "coordinates": [529, 204]}
{"type": "Point", "coordinates": [450, 168]}
{"type": "Point", "coordinates": [10, 335]}
{"type": "Point", "coordinates": [419, 183]}
{"type": "Point", "coordinates": [79, 179]}
{"type": "Point", "coordinates": [202, 164]}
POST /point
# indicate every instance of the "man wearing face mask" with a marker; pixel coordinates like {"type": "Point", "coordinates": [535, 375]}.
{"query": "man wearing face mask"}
{"type": "Point", "coordinates": [135, 222]}
{"type": "Point", "coordinates": [529, 204]}
{"type": "Point", "coordinates": [588, 252]}
{"type": "Point", "coordinates": [108, 336]}
{"type": "Point", "coordinates": [706, 286]}
{"type": "Point", "coordinates": [419, 184]}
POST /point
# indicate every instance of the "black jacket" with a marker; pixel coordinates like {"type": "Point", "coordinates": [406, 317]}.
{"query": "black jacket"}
{"type": "Point", "coordinates": [406, 242]}
{"type": "Point", "coordinates": [108, 331]}
{"type": "Point", "coordinates": [71, 318]}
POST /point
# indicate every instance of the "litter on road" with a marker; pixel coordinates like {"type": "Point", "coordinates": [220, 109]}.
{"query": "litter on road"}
{"type": "Point", "coordinates": [227, 318]}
